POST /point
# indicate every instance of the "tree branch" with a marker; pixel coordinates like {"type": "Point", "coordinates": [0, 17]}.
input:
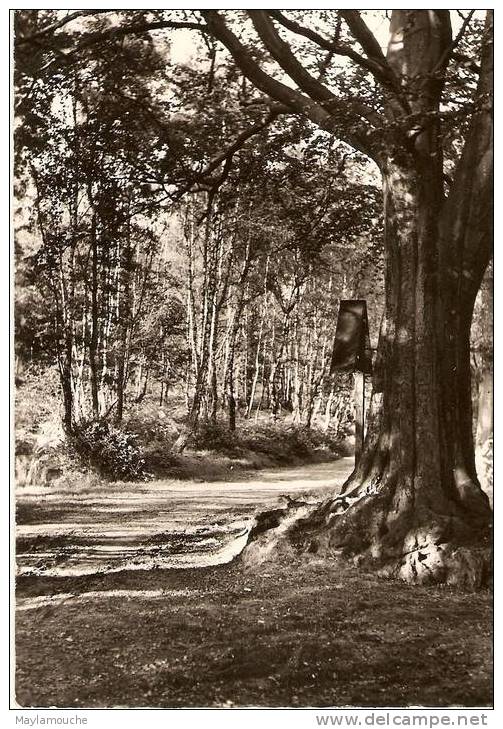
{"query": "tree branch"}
{"type": "Point", "coordinates": [295, 100]}
{"type": "Point", "coordinates": [239, 142]}
{"type": "Point", "coordinates": [282, 53]}
{"type": "Point", "coordinates": [364, 36]}
{"type": "Point", "coordinates": [449, 52]}
{"type": "Point", "coordinates": [328, 118]}
{"type": "Point", "coordinates": [465, 61]}
{"type": "Point", "coordinates": [140, 28]}
{"type": "Point", "coordinates": [89, 39]}
{"type": "Point", "coordinates": [202, 177]}
{"type": "Point", "coordinates": [279, 91]}
{"type": "Point", "coordinates": [381, 71]}
{"type": "Point", "coordinates": [59, 24]}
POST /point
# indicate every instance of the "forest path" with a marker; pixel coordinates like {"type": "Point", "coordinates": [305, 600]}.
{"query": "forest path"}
{"type": "Point", "coordinates": [68, 532]}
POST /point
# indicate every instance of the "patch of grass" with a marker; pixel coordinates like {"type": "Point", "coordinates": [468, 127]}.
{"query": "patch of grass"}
{"type": "Point", "coordinates": [296, 633]}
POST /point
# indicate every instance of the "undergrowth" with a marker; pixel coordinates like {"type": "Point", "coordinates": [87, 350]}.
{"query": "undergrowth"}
{"type": "Point", "coordinates": [113, 452]}
{"type": "Point", "coordinates": [281, 442]}
{"type": "Point", "coordinates": [141, 447]}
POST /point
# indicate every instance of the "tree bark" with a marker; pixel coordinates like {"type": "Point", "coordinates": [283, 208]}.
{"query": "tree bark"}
{"type": "Point", "coordinates": [93, 344]}
{"type": "Point", "coordinates": [484, 433]}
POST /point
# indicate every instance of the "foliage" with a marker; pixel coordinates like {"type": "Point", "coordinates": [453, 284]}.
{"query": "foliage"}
{"type": "Point", "coordinates": [113, 452]}
{"type": "Point", "coordinates": [125, 294]}
{"type": "Point", "coordinates": [283, 443]}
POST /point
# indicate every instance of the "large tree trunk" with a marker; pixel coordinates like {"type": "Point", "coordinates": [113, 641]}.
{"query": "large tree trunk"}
{"type": "Point", "coordinates": [413, 507]}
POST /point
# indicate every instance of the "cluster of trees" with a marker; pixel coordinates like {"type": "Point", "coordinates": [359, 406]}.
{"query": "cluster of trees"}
{"type": "Point", "coordinates": [281, 242]}
{"type": "Point", "coordinates": [91, 257]}
{"type": "Point", "coordinates": [222, 289]}
{"type": "Point", "coordinates": [257, 130]}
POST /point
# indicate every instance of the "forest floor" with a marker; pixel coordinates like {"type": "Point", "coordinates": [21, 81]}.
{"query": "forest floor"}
{"type": "Point", "coordinates": [110, 623]}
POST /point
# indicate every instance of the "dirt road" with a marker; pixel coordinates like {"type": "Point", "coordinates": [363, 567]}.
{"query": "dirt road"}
{"type": "Point", "coordinates": [70, 531]}
{"type": "Point", "coordinates": [101, 623]}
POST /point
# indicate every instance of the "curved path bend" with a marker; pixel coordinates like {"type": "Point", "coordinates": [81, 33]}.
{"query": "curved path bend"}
{"type": "Point", "coordinates": [63, 531]}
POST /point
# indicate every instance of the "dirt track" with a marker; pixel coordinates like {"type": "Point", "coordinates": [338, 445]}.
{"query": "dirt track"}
{"type": "Point", "coordinates": [63, 532]}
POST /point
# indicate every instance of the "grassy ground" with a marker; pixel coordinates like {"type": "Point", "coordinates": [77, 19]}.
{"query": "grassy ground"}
{"type": "Point", "coordinates": [292, 634]}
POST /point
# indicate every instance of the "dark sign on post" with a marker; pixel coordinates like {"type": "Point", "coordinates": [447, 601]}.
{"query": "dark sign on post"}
{"type": "Point", "coordinates": [352, 353]}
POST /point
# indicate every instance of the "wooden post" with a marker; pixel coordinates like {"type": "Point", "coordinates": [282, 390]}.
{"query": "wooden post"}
{"type": "Point", "coordinates": [352, 353]}
{"type": "Point", "coordinates": [359, 395]}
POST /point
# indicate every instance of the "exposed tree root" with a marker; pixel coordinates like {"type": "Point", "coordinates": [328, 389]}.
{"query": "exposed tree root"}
{"type": "Point", "coordinates": [383, 531]}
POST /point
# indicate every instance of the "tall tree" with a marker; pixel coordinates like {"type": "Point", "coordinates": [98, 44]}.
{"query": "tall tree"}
{"type": "Point", "coordinates": [414, 504]}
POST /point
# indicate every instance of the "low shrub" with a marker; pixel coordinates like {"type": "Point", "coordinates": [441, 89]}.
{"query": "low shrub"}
{"type": "Point", "coordinates": [283, 444]}
{"type": "Point", "coordinates": [111, 451]}
{"type": "Point", "coordinates": [214, 437]}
